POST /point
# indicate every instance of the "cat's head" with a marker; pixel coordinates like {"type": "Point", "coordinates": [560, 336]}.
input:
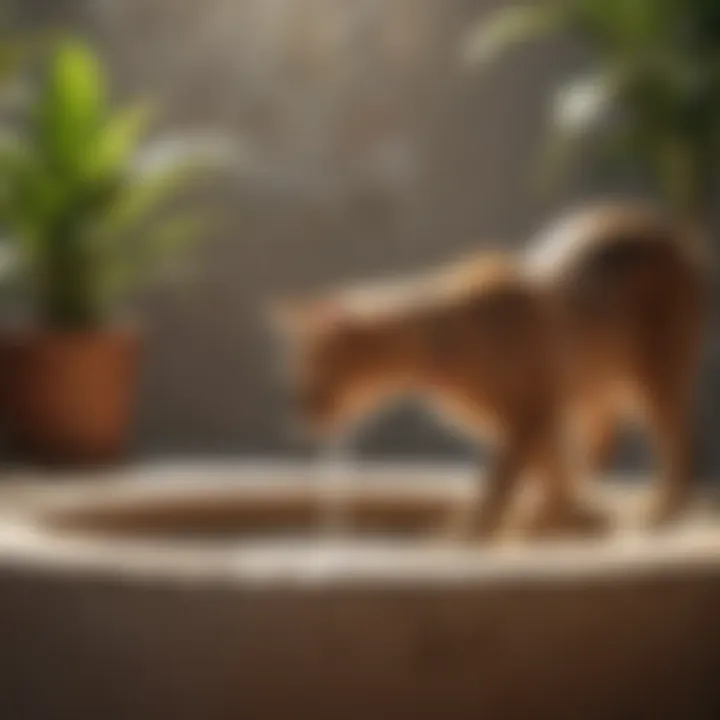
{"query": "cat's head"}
{"type": "Point", "coordinates": [334, 362]}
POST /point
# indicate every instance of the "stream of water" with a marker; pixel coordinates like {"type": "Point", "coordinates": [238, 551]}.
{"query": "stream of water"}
{"type": "Point", "coordinates": [336, 477]}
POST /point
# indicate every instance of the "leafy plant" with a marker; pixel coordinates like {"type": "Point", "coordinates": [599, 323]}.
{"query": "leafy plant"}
{"type": "Point", "coordinates": [651, 98]}
{"type": "Point", "coordinates": [84, 201]}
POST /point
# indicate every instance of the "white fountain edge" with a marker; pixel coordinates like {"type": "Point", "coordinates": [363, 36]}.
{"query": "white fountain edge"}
{"type": "Point", "coordinates": [25, 545]}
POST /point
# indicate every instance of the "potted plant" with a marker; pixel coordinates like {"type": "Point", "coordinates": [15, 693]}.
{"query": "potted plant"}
{"type": "Point", "coordinates": [87, 214]}
{"type": "Point", "coordinates": [651, 97]}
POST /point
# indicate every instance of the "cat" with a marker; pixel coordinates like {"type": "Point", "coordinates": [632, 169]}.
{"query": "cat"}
{"type": "Point", "coordinates": [601, 314]}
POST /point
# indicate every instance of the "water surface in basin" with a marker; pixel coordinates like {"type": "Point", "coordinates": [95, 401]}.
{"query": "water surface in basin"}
{"type": "Point", "coordinates": [222, 516]}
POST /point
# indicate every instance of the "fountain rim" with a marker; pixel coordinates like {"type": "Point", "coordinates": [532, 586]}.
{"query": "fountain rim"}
{"type": "Point", "coordinates": [28, 544]}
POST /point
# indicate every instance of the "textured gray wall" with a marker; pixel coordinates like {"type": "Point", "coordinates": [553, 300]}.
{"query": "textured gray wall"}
{"type": "Point", "coordinates": [369, 153]}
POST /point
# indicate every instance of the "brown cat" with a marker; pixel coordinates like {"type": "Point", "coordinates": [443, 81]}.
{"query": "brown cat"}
{"type": "Point", "coordinates": [604, 315]}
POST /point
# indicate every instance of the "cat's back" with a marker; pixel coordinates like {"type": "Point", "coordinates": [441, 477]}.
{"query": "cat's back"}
{"type": "Point", "coordinates": [630, 287]}
{"type": "Point", "coordinates": [617, 259]}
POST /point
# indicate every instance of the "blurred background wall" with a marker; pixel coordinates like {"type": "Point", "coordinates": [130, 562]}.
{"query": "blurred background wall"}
{"type": "Point", "coordinates": [366, 151]}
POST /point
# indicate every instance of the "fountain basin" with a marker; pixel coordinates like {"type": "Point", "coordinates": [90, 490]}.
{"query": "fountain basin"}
{"type": "Point", "coordinates": [217, 593]}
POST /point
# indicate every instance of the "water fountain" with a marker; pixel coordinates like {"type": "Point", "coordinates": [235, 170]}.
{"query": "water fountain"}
{"type": "Point", "coordinates": [221, 592]}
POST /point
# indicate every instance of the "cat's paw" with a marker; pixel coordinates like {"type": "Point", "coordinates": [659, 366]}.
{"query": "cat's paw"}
{"type": "Point", "coordinates": [576, 519]}
{"type": "Point", "coordinates": [469, 526]}
{"type": "Point", "coordinates": [665, 508]}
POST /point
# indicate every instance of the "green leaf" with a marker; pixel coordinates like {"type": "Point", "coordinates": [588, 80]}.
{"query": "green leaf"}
{"type": "Point", "coordinates": [140, 197]}
{"type": "Point", "coordinates": [510, 27]}
{"type": "Point", "coordinates": [659, 66]}
{"type": "Point", "coordinates": [28, 195]}
{"type": "Point", "coordinates": [116, 142]}
{"type": "Point", "coordinates": [73, 105]}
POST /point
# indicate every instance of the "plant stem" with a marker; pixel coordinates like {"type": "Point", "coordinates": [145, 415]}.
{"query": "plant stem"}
{"type": "Point", "coordinates": [67, 291]}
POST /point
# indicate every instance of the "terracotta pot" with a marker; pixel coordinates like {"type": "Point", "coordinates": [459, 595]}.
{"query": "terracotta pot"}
{"type": "Point", "coordinates": [69, 396]}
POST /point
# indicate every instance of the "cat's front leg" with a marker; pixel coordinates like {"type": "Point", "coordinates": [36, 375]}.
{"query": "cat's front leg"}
{"type": "Point", "coordinates": [483, 517]}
